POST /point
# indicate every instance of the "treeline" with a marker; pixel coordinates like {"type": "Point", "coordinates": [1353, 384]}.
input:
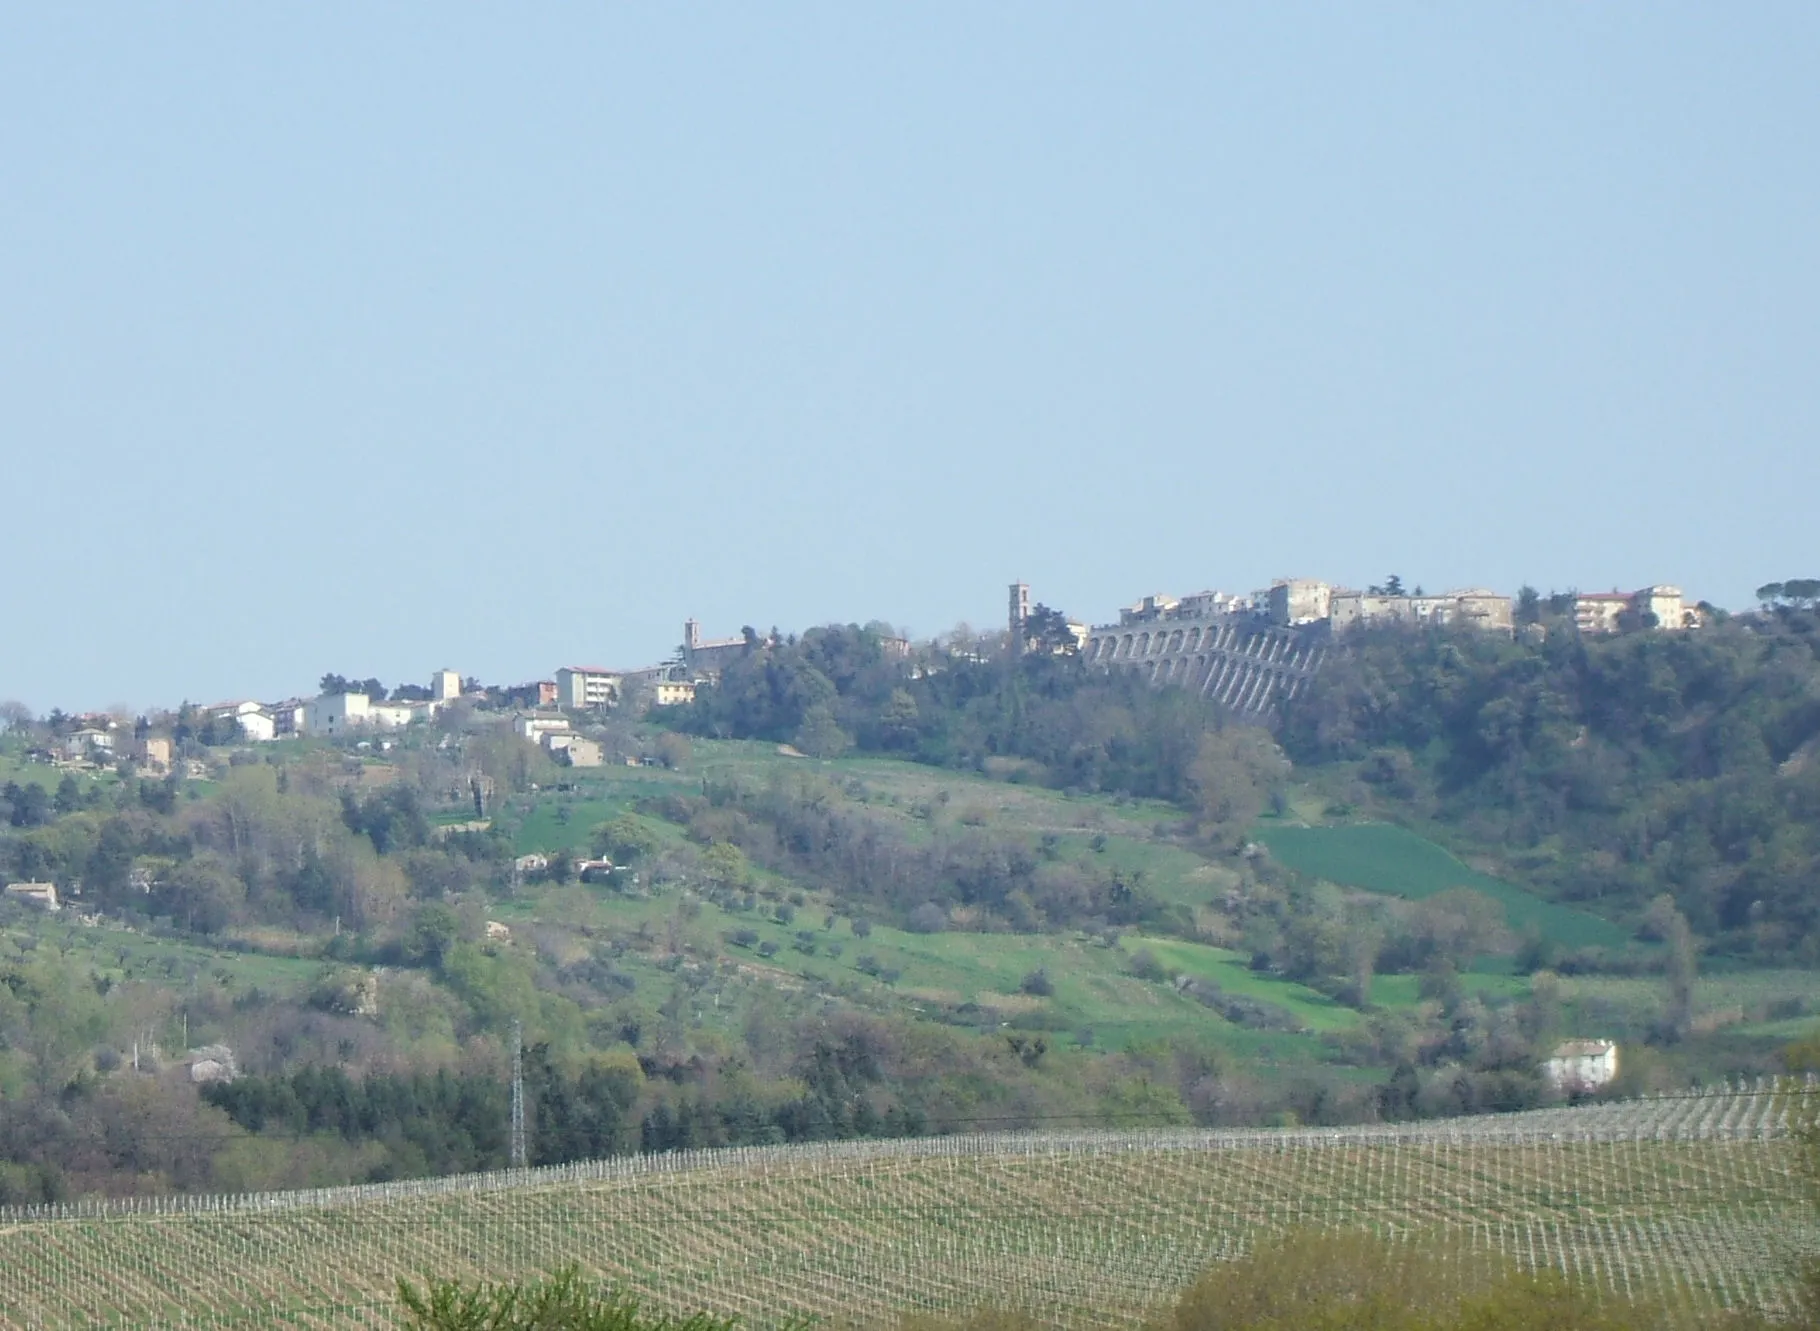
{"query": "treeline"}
{"type": "Point", "coordinates": [1606, 770]}
{"type": "Point", "coordinates": [837, 688]}
{"type": "Point", "coordinates": [438, 1123]}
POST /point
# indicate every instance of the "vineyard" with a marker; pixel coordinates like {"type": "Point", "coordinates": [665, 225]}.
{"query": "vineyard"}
{"type": "Point", "coordinates": [1695, 1197]}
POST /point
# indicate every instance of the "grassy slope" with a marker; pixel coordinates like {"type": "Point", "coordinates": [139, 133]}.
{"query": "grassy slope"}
{"type": "Point", "coordinates": [939, 975]}
{"type": "Point", "coordinates": [1380, 857]}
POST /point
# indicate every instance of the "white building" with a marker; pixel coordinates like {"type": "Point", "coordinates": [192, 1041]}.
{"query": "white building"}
{"type": "Point", "coordinates": [535, 727]}
{"type": "Point", "coordinates": [586, 687]}
{"type": "Point", "coordinates": [1581, 1065]}
{"type": "Point", "coordinates": [395, 715]}
{"type": "Point", "coordinates": [1659, 607]}
{"type": "Point", "coordinates": [77, 746]}
{"type": "Point", "coordinates": [42, 895]}
{"type": "Point", "coordinates": [257, 727]}
{"type": "Point", "coordinates": [337, 713]}
{"type": "Point", "coordinates": [445, 686]}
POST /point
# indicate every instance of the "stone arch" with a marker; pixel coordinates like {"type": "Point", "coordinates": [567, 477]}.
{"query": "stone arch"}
{"type": "Point", "coordinates": [1143, 644]}
{"type": "Point", "coordinates": [1124, 650]}
{"type": "Point", "coordinates": [1194, 639]}
{"type": "Point", "coordinates": [1175, 641]}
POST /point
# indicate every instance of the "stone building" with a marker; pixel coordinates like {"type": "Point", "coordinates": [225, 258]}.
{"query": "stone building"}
{"type": "Point", "coordinates": [1293, 601]}
{"type": "Point", "coordinates": [1473, 607]}
{"type": "Point", "coordinates": [707, 657]}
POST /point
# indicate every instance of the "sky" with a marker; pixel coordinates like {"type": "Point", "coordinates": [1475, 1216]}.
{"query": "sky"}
{"type": "Point", "coordinates": [377, 339]}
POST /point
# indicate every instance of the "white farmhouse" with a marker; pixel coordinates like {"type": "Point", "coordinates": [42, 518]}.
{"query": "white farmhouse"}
{"type": "Point", "coordinates": [394, 715]}
{"type": "Point", "coordinates": [41, 895]}
{"type": "Point", "coordinates": [258, 726]}
{"type": "Point", "coordinates": [337, 713]}
{"type": "Point", "coordinates": [1581, 1065]}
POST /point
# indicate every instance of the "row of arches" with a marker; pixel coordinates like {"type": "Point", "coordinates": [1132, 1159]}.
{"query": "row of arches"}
{"type": "Point", "coordinates": [1139, 644]}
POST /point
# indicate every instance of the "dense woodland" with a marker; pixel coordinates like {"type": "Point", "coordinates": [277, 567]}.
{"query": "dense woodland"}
{"type": "Point", "coordinates": [1603, 771]}
{"type": "Point", "coordinates": [1665, 780]}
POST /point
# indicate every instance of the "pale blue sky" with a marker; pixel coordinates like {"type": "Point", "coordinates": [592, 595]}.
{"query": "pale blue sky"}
{"type": "Point", "coordinates": [375, 339]}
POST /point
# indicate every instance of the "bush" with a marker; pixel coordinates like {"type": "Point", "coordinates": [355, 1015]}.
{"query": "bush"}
{"type": "Point", "coordinates": [767, 948]}
{"type": "Point", "coordinates": [927, 918]}
{"type": "Point", "coordinates": [1356, 1280]}
{"type": "Point", "coordinates": [564, 1302]}
{"type": "Point", "coordinates": [1036, 983]}
{"type": "Point", "coordinates": [1145, 966]}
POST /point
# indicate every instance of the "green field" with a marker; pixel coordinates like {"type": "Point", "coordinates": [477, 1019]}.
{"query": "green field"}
{"type": "Point", "coordinates": [1379, 857]}
{"type": "Point", "coordinates": [1078, 1229]}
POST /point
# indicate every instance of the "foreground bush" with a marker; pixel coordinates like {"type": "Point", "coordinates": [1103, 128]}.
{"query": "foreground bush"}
{"type": "Point", "coordinates": [564, 1302]}
{"type": "Point", "coordinates": [1358, 1282]}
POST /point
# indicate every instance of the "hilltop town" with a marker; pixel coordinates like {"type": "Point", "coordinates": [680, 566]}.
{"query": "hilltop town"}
{"type": "Point", "coordinates": [1248, 653]}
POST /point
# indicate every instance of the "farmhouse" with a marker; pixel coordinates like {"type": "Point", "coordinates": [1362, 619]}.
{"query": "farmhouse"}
{"type": "Point", "coordinates": [1581, 1065]}
{"type": "Point", "coordinates": [42, 895]}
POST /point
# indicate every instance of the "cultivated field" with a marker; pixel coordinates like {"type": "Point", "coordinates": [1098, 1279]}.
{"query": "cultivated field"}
{"type": "Point", "coordinates": [1382, 858]}
{"type": "Point", "coordinates": [1694, 1196]}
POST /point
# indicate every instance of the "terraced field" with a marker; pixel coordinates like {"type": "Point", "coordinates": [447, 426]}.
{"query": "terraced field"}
{"type": "Point", "coordinates": [1694, 1196]}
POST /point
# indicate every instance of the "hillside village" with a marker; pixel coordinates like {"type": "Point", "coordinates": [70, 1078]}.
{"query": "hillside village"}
{"type": "Point", "coordinates": [1246, 651]}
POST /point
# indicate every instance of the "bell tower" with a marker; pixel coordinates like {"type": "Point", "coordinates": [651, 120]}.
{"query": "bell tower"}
{"type": "Point", "coordinates": [1019, 615]}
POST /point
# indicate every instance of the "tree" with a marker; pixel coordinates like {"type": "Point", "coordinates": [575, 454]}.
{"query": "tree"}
{"type": "Point", "coordinates": [31, 805]}
{"type": "Point", "coordinates": [623, 839]}
{"type": "Point", "coordinates": [1046, 632]}
{"type": "Point", "coordinates": [14, 715]}
{"type": "Point", "coordinates": [1529, 605]}
{"type": "Point", "coordinates": [673, 750]}
{"type": "Point", "coordinates": [820, 735]}
{"type": "Point", "coordinates": [1680, 965]}
{"type": "Point", "coordinates": [725, 867]}
{"type": "Point", "coordinates": [202, 893]}
{"type": "Point", "coordinates": [1235, 769]}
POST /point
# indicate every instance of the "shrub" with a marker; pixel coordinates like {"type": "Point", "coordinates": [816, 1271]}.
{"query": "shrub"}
{"type": "Point", "coordinates": [564, 1302]}
{"type": "Point", "coordinates": [1036, 983]}
{"type": "Point", "coordinates": [1356, 1280]}
{"type": "Point", "coordinates": [1145, 966]}
{"type": "Point", "coordinates": [927, 918]}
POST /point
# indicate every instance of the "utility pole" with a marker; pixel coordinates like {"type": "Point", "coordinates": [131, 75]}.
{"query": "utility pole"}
{"type": "Point", "coordinates": [518, 1095]}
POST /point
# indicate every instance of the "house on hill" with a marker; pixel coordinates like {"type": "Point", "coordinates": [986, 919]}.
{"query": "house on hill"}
{"type": "Point", "coordinates": [42, 895]}
{"type": "Point", "coordinates": [1581, 1065]}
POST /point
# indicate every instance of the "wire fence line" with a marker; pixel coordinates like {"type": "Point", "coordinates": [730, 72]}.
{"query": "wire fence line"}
{"type": "Point", "coordinates": [1693, 1196]}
